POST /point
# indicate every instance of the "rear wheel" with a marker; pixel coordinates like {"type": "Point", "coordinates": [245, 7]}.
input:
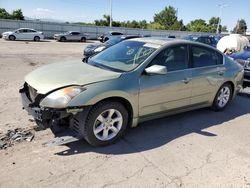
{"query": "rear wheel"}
{"type": "Point", "coordinates": [223, 97]}
{"type": "Point", "coordinates": [105, 123]}
{"type": "Point", "coordinates": [12, 37]}
{"type": "Point", "coordinates": [36, 38]}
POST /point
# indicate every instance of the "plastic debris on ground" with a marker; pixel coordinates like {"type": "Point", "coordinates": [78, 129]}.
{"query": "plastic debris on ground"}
{"type": "Point", "coordinates": [15, 136]}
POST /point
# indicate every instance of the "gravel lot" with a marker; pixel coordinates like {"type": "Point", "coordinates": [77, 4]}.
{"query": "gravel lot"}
{"type": "Point", "coordinates": [201, 148]}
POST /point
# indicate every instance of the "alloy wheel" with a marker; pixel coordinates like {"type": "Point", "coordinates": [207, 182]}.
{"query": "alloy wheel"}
{"type": "Point", "coordinates": [224, 96]}
{"type": "Point", "coordinates": [108, 124]}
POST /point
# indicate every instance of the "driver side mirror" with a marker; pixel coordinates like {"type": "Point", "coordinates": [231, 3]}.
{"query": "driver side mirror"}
{"type": "Point", "coordinates": [17, 32]}
{"type": "Point", "coordinates": [156, 70]}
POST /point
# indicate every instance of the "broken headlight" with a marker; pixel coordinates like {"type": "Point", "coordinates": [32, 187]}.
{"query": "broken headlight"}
{"type": "Point", "coordinates": [61, 97]}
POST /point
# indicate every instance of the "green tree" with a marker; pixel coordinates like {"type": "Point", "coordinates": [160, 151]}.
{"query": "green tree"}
{"type": "Point", "coordinates": [17, 15]}
{"type": "Point", "coordinates": [178, 26]}
{"type": "Point", "coordinates": [213, 24]}
{"type": "Point", "coordinates": [166, 17]}
{"type": "Point", "coordinates": [103, 22]}
{"type": "Point", "coordinates": [4, 14]}
{"type": "Point", "coordinates": [198, 25]}
{"type": "Point", "coordinates": [241, 27]}
{"type": "Point", "coordinates": [155, 25]}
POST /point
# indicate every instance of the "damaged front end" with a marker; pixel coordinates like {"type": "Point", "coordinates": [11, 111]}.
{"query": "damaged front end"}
{"type": "Point", "coordinates": [66, 119]}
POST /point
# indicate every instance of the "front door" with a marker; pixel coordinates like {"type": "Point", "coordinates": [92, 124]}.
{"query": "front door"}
{"type": "Point", "coordinates": [159, 93]}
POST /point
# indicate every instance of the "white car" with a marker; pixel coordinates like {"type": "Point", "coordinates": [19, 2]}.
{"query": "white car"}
{"type": "Point", "coordinates": [23, 34]}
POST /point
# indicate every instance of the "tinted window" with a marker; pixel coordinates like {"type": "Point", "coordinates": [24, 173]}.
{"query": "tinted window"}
{"type": "Point", "coordinates": [23, 31]}
{"type": "Point", "coordinates": [174, 58]}
{"type": "Point", "coordinates": [205, 57]}
{"type": "Point", "coordinates": [31, 31]}
{"type": "Point", "coordinates": [75, 33]}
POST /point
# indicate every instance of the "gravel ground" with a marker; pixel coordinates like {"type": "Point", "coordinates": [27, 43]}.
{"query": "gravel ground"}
{"type": "Point", "coordinates": [195, 149]}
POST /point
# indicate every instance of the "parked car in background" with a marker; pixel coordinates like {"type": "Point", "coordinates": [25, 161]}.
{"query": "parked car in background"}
{"type": "Point", "coordinates": [105, 37]}
{"type": "Point", "coordinates": [244, 59]}
{"type": "Point", "coordinates": [131, 82]}
{"type": "Point", "coordinates": [98, 47]}
{"type": "Point", "coordinates": [206, 39]}
{"type": "Point", "coordinates": [71, 36]}
{"type": "Point", "coordinates": [23, 34]}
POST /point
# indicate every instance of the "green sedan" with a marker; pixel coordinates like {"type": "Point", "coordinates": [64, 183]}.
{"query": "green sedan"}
{"type": "Point", "coordinates": [131, 82]}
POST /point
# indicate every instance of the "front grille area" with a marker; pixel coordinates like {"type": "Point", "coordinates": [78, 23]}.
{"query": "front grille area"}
{"type": "Point", "coordinates": [75, 124]}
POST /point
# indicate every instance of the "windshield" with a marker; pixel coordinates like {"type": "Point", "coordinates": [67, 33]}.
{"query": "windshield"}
{"type": "Point", "coordinates": [124, 56]}
{"type": "Point", "coordinates": [113, 41]}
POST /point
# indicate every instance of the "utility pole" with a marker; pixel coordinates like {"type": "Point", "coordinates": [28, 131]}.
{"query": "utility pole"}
{"type": "Point", "coordinates": [221, 6]}
{"type": "Point", "coordinates": [111, 19]}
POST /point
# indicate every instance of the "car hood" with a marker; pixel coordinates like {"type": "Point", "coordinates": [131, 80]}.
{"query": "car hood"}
{"type": "Point", "coordinates": [94, 46]}
{"type": "Point", "coordinates": [7, 32]}
{"type": "Point", "coordinates": [51, 77]}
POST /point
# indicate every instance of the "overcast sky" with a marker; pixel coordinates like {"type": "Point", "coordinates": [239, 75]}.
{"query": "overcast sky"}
{"type": "Point", "coordinates": [89, 10]}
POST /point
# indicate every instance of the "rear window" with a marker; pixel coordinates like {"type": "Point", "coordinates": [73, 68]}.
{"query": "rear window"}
{"type": "Point", "coordinates": [203, 57]}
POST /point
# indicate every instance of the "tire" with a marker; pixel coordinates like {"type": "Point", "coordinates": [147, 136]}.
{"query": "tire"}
{"type": "Point", "coordinates": [12, 37]}
{"type": "Point", "coordinates": [223, 97]}
{"type": "Point", "coordinates": [57, 126]}
{"type": "Point", "coordinates": [36, 38]}
{"type": "Point", "coordinates": [62, 39]}
{"type": "Point", "coordinates": [105, 39]}
{"type": "Point", "coordinates": [83, 39]}
{"type": "Point", "coordinates": [100, 128]}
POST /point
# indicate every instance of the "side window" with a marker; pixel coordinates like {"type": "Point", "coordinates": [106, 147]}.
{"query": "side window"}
{"type": "Point", "coordinates": [75, 33]}
{"type": "Point", "coordinates": [31, 31]}
{"type": "Point", "coordinates": [174, 58]}
{"type": "Point", "coordinates": [203, 57]}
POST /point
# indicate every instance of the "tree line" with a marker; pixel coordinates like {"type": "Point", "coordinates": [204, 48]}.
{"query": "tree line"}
{"type": "Point", "coordinates": [15, 15]}
{"type": "Point", "coordinates": [166, 19]}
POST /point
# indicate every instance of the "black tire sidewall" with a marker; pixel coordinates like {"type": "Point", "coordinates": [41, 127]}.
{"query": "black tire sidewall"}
{"type": "Point", "coordinates": [94, 113]}
{"type": "Point", "coordinates": [215, 105]}
{"type": "Point", "coordinates": [62, 39]}
{"type": "Point", "coordinates": [36, 39]}
{"type": "Point", "coordinates": [83, 39]}
{"type": "Point", "coordinates": [12, 37]}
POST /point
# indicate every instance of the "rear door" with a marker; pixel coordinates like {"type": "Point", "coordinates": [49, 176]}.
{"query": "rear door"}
{"type": "Point", "coordinates": [207, 75]}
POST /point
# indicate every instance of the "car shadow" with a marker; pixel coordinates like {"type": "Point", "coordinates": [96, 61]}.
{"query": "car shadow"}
{"type": "Point", "coordinates": [155, 133]}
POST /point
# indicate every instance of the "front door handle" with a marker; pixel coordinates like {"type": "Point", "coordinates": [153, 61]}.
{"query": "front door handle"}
{"type": "Point", "coordinates": [186, 80]}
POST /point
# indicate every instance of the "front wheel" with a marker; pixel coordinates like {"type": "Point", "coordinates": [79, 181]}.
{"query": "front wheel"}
{"type": "Point", "coordinates": [12, 37]}
{"type": "Point", "coordinates": [83, 39]}
{"type": "Point", "coordinates": [105, 123]}
{"type": "Point", "coordinates": [223, 97]}
{"type": "Point", "coordinates": [36, 39]}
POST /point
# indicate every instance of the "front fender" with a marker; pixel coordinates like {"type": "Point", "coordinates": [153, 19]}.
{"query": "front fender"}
{"type": "Point", "coordinates": [97, 92]}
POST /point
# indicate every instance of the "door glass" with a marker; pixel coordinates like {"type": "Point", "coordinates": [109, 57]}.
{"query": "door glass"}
{"type": "Point", "coordinates": [174, 58]}
{"type": "Point", "coordinates": [203, 57]}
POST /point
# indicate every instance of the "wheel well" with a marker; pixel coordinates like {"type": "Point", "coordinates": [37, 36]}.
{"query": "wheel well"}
{"type": "Point", "coordinates": [125, 103]}
{"type": "Point", "coordinates": [12, 36]}
{"type": "Point", "coordinates": [232, 85]}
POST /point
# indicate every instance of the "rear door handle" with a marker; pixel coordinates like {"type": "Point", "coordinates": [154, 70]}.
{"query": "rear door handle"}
{"type": "Point", "coordinates": [186, 80]}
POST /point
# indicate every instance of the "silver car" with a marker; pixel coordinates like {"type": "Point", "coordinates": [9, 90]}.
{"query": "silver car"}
{"type": "Point", "coordinates": [23, 34]}
{"type": "Point", "coordinates": [71, 36]}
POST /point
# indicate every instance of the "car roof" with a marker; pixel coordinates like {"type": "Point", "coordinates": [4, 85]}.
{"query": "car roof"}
{"type": "Point", "coordinates": [162, 41]}
{"type": "Point", "coordinates": [26, 28]}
